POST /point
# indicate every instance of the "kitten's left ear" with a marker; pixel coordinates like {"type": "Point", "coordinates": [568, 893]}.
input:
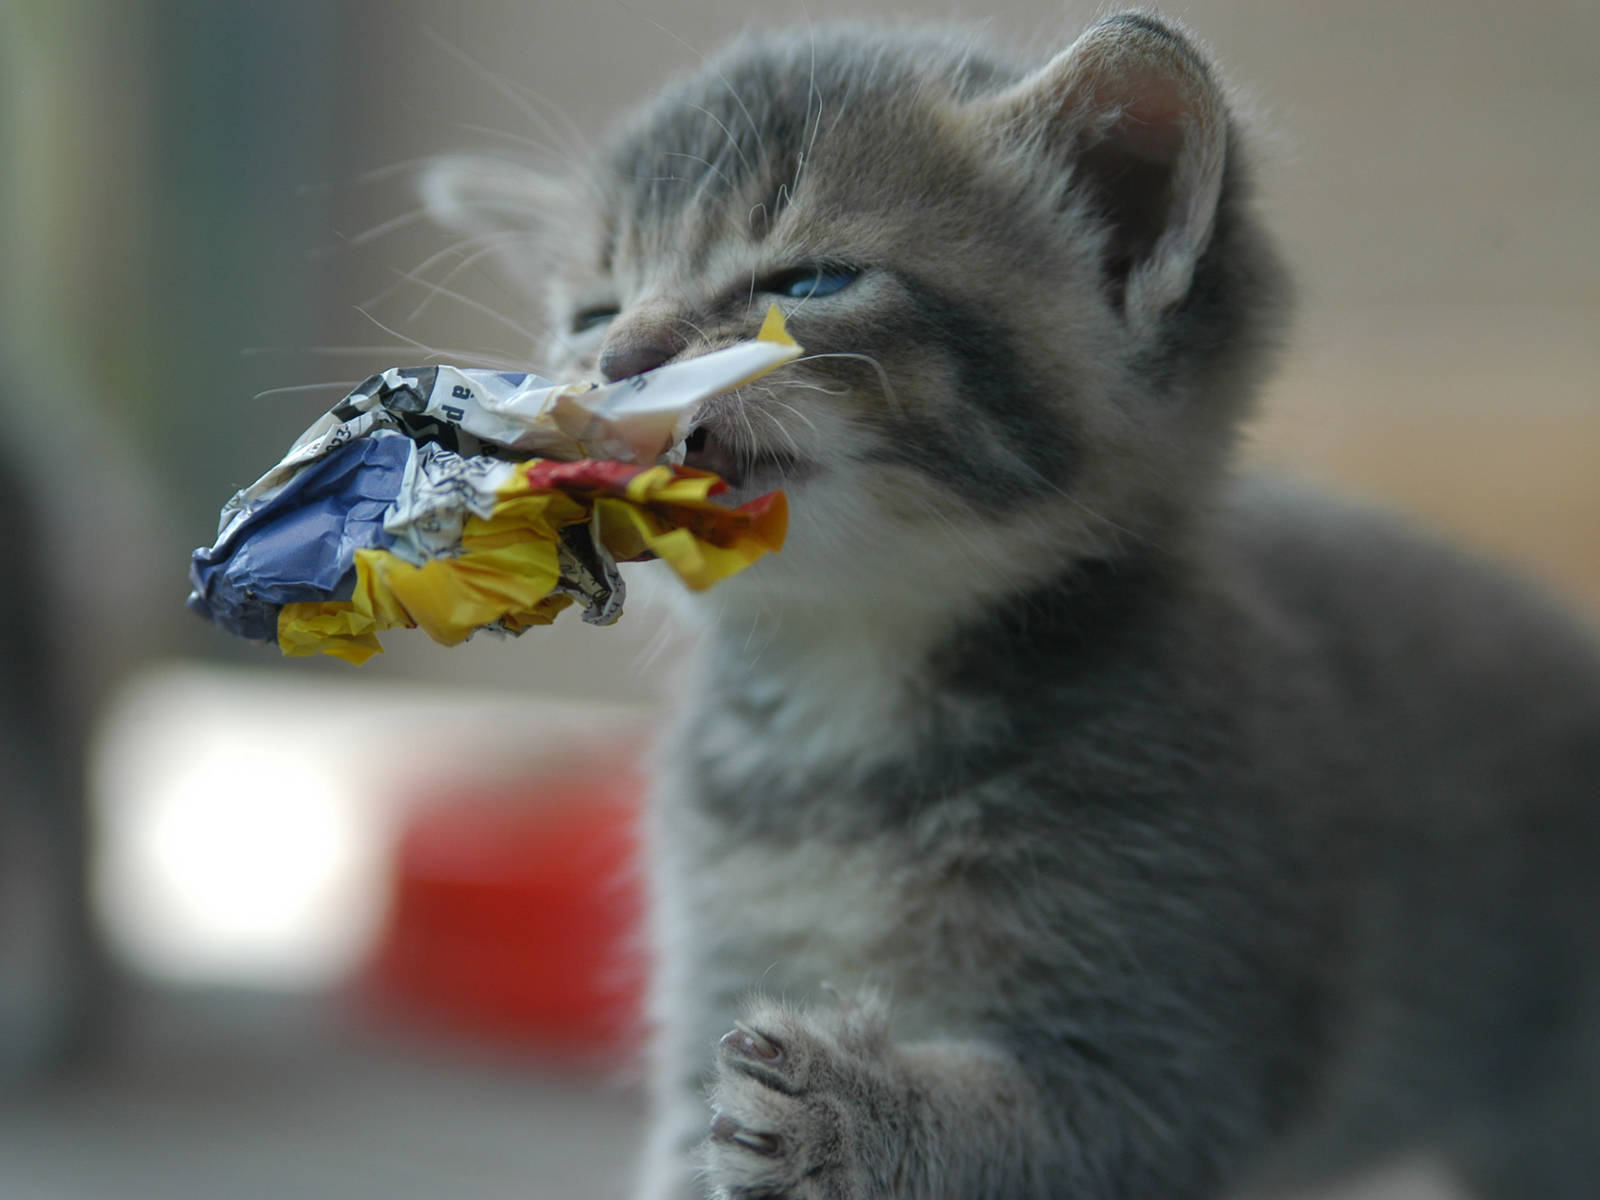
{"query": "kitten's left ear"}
{"type": "Point", "coordinates": [1133, 110]}
{"type": "Point", "coordinates": [506, 209]}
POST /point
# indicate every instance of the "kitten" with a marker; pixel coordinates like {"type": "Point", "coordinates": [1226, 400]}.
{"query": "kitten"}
{"type": "Point", "coordinates": [1060, 815]}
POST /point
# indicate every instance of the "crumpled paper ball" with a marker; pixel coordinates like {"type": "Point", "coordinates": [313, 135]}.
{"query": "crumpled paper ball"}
{"type": "Point", "coordinates": [405, 506]}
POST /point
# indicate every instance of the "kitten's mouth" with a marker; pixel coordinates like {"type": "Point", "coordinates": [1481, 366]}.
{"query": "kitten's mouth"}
{"type": "Point", "coordinates": [748, 473]}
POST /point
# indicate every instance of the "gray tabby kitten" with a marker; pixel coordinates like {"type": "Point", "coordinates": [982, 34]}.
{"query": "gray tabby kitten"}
{"type": "Point", "coordinates": [1058, 815]}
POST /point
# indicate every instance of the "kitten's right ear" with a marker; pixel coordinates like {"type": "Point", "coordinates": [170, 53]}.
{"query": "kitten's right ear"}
{"type": "Point", "coordinates": [1132, 109]}
{"type": "Point", "coordinates": [505, 209]}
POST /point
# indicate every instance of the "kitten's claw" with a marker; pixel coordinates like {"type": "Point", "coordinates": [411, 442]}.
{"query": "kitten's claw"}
{"type": "Point", "coordinates": [796, 1099]}
{"type": "Point", "coordinates": [725, 1129]}
{"type": "Point", "coordinates": [745, 1040]}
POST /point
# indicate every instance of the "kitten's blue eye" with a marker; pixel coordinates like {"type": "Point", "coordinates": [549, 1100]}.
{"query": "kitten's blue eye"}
{"type": "Point", "coordinates": [806, 283]}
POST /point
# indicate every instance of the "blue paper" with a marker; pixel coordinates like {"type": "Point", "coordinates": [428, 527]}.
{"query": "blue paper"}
{"type": "Point", "coordinates": [300, 543]}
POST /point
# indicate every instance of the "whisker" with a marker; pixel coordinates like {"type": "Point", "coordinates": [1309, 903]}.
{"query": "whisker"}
{"type": "Point", "coordinates": [254, 351]}
{"type": "Point", "coordinates": [788, 437]}
{"type": "Point", "coordinates": [883, 376]}
{"type": "Point", "coordinates": [436, 289]}
{"type": "Point", "coordinates": [777, 626]}
{"type": "Point", "coordinates": [495, 81]}
{"type": "Point", "coordinates": [455, 355]}
{"type": "Point", "coordinates": [755, 624]}
{"type": "Point", "coordinates": [747, 449]}
{"type": "Point", "coordinates": [578, 141]}
{"type": "Point", "coordinates": [811, 90]}
{"type": "Point", "coordinates": [377, 231]}
{"type": "Point", "coordinates": [1098, 516]}
{"type": "Point", "coordinates": [709, 165]}
{"type": "Point", "coordinates": [976, 551]}
{"type": "Point", "coordinates": [798, 415]}
{"type": "Point", "coordinates": [342, 384]}
{"type": "Point", "coordinates": [487, 242]}
{"type": "Point", "coordinates": [844, 107]}
{"type": "Point", "coordinates": [516, 139]}
{"type": "Point", "coordinates": [761, 148]}
{"type": "Point", "coordinates": [395, 333]}
{"type": "Point", "coordinates": [660, 641]}
{"type": "Point", "coordinates": [807, 386]}
{"type": "Point", "coordinates": [369, 176]}
{"type": "Point", "coordinates": [693, 326]}
{"type": "Point", "coordinates": [427, 350]}
{"type": "Point", "coordinates": [483, 245]}
{"type": "Point", "coordinates": [777, 426]}
{"type": "Point", "coordinates": [732, 141]}
{"type": "Point", "coordinates": [523, 102]}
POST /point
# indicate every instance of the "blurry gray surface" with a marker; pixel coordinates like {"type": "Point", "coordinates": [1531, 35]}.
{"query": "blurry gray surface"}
{"type": "Point", "coordinates": [259, 1098]}
{"type": "Point", "coordinates": [250, 1097]}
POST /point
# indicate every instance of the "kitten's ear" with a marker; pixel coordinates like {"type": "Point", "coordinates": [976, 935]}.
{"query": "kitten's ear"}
{"type": "Point", "coordinates": [506, 210]}
{"type": "Point", "coordinates": [1133, 110]}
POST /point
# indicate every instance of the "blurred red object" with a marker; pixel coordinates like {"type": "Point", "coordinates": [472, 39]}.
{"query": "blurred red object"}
{"type": "Point", "coordinates": [516, 912]}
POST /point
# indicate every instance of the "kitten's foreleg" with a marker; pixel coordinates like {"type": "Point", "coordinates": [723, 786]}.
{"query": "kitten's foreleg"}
{"type": "Point", "coordinates": [814, 1105]}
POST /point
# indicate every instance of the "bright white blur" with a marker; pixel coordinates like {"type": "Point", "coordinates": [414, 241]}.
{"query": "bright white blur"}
{"type": "Point", "coordinates": [243, 820]}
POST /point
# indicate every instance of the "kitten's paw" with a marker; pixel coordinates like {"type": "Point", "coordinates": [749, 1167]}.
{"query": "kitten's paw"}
{"type": "Point", "coordinates": [806, 1106]}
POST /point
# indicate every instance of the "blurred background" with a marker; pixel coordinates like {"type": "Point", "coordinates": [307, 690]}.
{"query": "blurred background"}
{"type": "Point", "coordinates": [233, 889]}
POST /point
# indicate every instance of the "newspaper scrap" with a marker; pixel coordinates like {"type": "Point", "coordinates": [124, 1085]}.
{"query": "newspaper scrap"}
{"type": "Point", "coordinates": [453, 499]}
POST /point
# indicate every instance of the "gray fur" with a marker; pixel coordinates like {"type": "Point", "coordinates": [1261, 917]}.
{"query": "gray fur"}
{"type": "Point", "coordinates": [1163, 834]}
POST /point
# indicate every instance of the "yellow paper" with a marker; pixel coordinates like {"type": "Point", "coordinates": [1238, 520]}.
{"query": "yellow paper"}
{"type": "Point", "coordinates": [509, 564]}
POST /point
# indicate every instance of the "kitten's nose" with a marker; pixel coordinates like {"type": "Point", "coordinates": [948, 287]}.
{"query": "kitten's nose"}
{"type": "Point", "coordinates": [633, 351]}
